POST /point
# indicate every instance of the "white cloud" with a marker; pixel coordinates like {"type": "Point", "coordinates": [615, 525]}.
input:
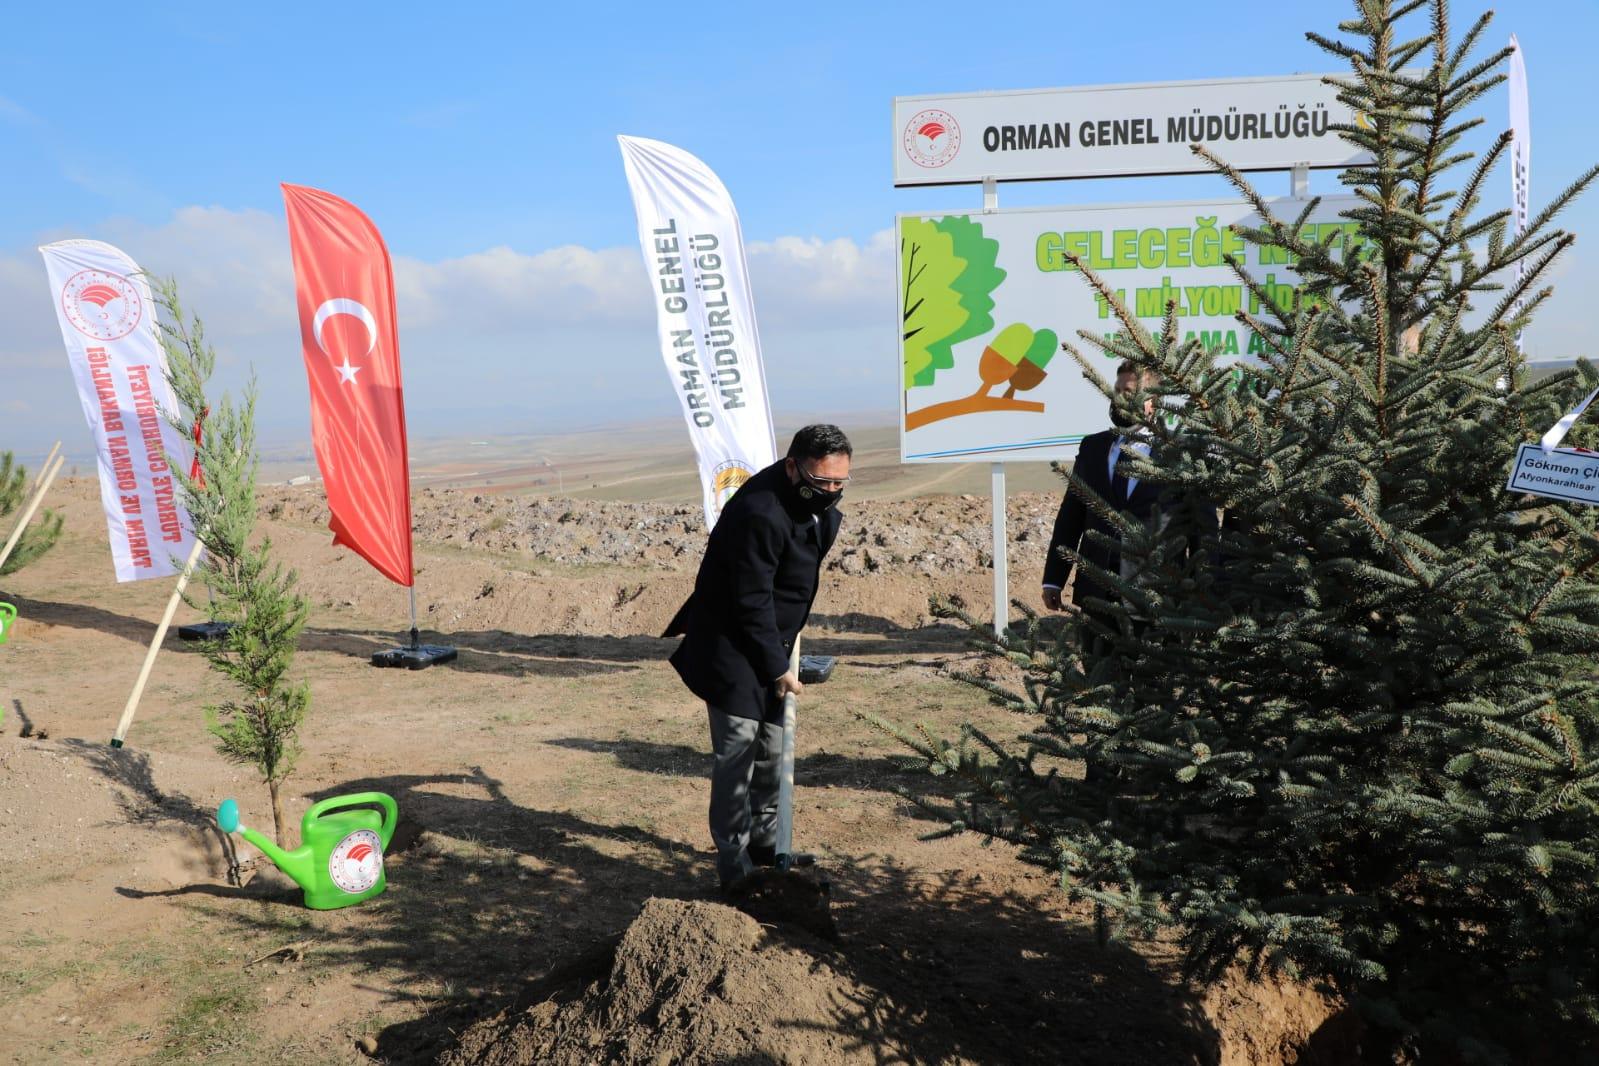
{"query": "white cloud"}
{"type": "Point", "coordinates": [554, 336]}
{"type": "Point", "coordinates": [502, 339]}
{"type": "Point", "coordinates": [820, 283]}
{"type": "Point", "coordinates": [501, 290]}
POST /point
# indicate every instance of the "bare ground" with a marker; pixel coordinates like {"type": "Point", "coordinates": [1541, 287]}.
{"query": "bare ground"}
{"type": "Point", "coordinates": [551, 882]}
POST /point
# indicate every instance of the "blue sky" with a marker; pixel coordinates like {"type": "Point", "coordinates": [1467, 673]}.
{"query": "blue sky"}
{"type": "Point", "coordinates": [481, 140]}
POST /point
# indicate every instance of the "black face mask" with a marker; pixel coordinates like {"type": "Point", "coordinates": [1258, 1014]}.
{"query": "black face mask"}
{"type": "Point", "coordinates": [1120, 420]}
{"type": "Point", "coordinates": [814, 499]}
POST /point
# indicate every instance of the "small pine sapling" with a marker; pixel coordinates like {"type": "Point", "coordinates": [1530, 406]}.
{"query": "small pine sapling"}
{"type": "Point", "coordinates": [41, 534]}
{"type": "Point", "coordinates": [253, 595]}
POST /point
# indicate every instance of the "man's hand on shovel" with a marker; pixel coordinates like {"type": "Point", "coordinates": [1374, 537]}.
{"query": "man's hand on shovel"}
{"type": "Point", "coordinates": [788, 684]}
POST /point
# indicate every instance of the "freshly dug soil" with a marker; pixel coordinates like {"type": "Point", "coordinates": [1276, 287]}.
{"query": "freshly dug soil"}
{"type": "Point", "coordinates": [696, 982]}
{"type": "Point", "coordinates": [693, 982]}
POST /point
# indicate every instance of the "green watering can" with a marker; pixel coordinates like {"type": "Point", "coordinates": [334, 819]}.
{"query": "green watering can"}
{"type": "Point", "coordinates": [8, 615]}
{"type": "Point", "coordinates": [340, 858]}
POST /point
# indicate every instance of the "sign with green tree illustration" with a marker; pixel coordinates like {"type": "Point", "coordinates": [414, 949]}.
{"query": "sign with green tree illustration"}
{"type": "Point", "coordinates": [988, 299]}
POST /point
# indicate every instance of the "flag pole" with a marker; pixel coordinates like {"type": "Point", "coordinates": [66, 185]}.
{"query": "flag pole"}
{"type": "Point", "coordinates": [416, 656]}
{"type": "Point", "coordinates": [33, 505]}
{"type": "Point", "coordinates": [413, 616]}
{"type": "Point", "coordinates": [155, 645]}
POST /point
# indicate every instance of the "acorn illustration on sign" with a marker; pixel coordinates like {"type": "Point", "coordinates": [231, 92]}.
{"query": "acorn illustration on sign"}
{"type": "Point", "coordinates": [1016, 358]}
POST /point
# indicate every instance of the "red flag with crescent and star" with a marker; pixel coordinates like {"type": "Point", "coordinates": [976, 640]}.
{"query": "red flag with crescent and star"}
{"type": "Point", "coordinates": [348, 333]}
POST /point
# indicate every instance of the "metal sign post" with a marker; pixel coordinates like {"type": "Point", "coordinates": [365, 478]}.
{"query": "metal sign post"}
{"type": "Point", "coordinates": [1001, 576]}
{"type": "Point", "coordinates": [997, 481]}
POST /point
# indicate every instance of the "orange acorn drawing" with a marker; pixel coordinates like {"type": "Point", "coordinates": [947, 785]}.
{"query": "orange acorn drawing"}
{"type": "Point", "coordinates": [1016, 358]}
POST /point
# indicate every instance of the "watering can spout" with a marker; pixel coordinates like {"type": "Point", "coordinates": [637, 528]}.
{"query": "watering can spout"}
{"type": "Point", "coordinates": [296, 863]}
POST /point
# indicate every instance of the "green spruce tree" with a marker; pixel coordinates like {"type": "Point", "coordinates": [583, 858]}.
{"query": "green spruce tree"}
{"type": "Point", "coordinates": [41, 534]}
{"type": "Point", "coordinates": [252, 593]}
{"type": "Point", "coordinates": [1356, 735]}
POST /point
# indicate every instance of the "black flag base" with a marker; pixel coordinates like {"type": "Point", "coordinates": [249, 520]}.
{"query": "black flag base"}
{"type": "Point", "coordinates": [418, 658]}
{"type": "Point", "coordinates": [814, 669]}
{"type": "Point", "coordinates": [204, 631]}
{"type": "Point", "coordinates": [415, 657]}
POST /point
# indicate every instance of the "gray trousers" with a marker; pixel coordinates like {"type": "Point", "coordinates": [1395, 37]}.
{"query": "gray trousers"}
{"type": "Point", "coordinates": [744, 784]}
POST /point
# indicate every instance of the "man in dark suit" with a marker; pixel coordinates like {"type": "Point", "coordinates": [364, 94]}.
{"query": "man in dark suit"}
{"type": "Point", "coordinates": [1097, 462]}
{"type": "Point", "coordinates": [751, 599]}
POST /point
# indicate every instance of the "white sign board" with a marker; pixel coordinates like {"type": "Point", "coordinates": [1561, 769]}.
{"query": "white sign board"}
{"type": "Point", "coordinates": [1560, 473]}
{"type": "Point", "coordinates": [1120, 130]}
{"type": "Point", "coordinates": [987, 299]}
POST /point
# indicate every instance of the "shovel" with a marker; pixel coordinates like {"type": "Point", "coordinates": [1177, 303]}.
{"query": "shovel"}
{"type": "Point", "coordinates": [811, 670]}
{"type": "Point", "coordinates": [782, 895]}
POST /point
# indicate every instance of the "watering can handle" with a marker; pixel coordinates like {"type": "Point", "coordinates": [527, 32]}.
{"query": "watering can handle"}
{"type": "Point", "coordinates": [391, 810]}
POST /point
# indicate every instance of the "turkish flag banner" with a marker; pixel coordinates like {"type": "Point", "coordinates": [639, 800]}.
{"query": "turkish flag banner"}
{"type": "Point", "coordinates": [350, 338]}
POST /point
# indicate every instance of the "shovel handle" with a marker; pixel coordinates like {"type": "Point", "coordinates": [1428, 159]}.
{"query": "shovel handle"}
{"type": "Point", "coordinates": [785, 770]}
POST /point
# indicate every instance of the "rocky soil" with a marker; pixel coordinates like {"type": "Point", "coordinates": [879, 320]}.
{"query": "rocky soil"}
{"type": "Point", "coordinates": [940, 535]}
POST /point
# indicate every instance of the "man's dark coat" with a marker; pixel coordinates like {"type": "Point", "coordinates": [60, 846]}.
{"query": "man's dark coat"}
{"type": "Point", "coordinates": [752, 596]}
{"type": "Point", "coordinates": [1075, 519]}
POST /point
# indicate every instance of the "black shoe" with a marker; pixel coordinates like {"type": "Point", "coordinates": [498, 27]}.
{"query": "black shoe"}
{"type": "Point", "coordinates": [766, 855]}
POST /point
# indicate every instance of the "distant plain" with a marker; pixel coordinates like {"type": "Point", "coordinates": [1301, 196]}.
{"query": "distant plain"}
{"type": "Point", "coordinates": [652, 462]}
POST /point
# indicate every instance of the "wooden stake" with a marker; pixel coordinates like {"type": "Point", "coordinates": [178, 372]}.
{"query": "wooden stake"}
{"type": "Point", "coordinates": [33, 505]}
{"type": "Point", "coordinates": [155, 645]}
{"type": "Point", "coordinates": [37, 474]}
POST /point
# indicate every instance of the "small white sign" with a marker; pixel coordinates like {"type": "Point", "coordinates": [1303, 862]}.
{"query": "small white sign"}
{"type": "Point", "coordinates": [1120, 130]}
{"type": "Point", "coordinates": [1560, 474]}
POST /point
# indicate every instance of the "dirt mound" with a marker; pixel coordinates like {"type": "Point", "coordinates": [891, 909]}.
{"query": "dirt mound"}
{"type": "Point", "coordinates": [1274, 1019]}
{"type": "Point", "coordinates": [691, 982]}
{"type": "Point", "coordinates": [696, 982]}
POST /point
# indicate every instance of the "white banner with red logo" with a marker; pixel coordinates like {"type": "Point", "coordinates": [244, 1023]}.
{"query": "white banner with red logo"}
{"type": "Point", "coordinates": [705, 316]}
{"type": "Point", "coordinates": [108, 322]}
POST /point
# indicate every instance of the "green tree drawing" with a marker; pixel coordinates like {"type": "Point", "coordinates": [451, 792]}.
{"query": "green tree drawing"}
{"type": "Point", "coordinates": [976, 284]}
{"type": "Point", "coordinates": [931, 308]}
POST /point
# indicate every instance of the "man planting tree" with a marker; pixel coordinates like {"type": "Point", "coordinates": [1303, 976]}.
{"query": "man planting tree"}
{"type": "Point", "coordinates": [751, 598]}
